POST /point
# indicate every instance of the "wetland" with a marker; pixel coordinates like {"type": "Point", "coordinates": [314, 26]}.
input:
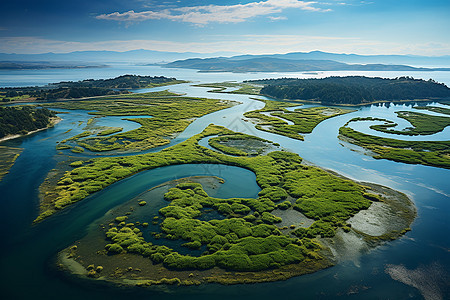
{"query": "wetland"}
{"type": "Point", "coordinates": [278, 198]}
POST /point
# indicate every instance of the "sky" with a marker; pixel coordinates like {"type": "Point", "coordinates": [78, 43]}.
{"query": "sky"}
{"type": "Point", "coordinates": [417, 27]}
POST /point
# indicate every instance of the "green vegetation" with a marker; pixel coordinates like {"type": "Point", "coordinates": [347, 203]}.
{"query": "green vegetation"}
{"type": "Point", "coordinates": [423, 124]}
{"type": "Point", "coordinates": [245, 238]}
{"type": "Point", "coordinates": [279, 174]}
{"type": "Point", "coordinates": [171, 114]}
{"type": "Point", "coordinates": [238, 242]}
{"type": "Point", "coordinates": [305, 120]}
{"type": "Point", "coordinates": [85, 88]}
{"type": "Point", "coordinates": [436, 154]}
{"type": "Point", "coordinates": [8, 156]}
{"type": "Point", "coordinates": [243, 88]}
{"type": "Point", "coordinates": [239, 144]}
{"type": "Point", "coordinates": [110, 131]}
{"type": "Point", "coordinates": [21, 120]}
{"type": "Point", "coordinates": [353, 89]}
{"type": "Point", "coordinates": [441, 110]}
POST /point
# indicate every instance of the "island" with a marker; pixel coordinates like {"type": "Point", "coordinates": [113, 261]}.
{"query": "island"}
{"type": "Point", "coordinates": [84, 88]}
{"type": "Point", "coordinates": [244, 64]}
{"type": "Point", "coordinates": [353, 90]}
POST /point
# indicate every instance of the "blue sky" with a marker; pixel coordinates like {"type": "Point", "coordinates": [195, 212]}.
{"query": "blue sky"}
{"type": "Point", "coordinates": [417, 27]}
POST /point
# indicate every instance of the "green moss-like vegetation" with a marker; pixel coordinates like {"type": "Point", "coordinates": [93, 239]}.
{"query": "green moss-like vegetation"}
{"type": "Point", "coordinates": [171, 114]}
{"type": "Point", "coordinates": [305, 120]}
{"type": "Point", "coordinates": [77, 163]}
{"type": "Point", "coordinates": [277, 173]}
{"type": "Point", "coordinates": [435, 154]}
{"type": "Point", "coordinates": [244, 243]}
{"type": "Point", "coordinates": [239, 144]}
{"type": "Point", "coordinates": [423, 124]}
{"type": "Point", "coordinates": [8, 156]}
{"type": "Point", "coordinates": [77, 150]}
{"type": "Point", "coordinates": [110, 131]}
{"type": "Point", "coordinates": [441, 110]}
{"type": "Point", "coordinates": [242, 88]}
{"type": "Point", "coordinates": [247, 239]}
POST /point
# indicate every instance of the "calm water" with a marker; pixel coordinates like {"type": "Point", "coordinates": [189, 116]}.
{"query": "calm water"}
{"type": "Point", "coordinates": [27, 251]}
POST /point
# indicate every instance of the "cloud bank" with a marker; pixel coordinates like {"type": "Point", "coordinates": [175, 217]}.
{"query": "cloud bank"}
{"type": "Point", "coordinates": [202, 15]}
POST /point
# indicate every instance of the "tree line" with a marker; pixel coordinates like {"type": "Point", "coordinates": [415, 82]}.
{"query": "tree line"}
{"type": "Point", "coordinates": [20, 120]}
{"type": "Point", "coordinates": [85, 88]}
{"type": "Point", "coordinates": [353, 89]}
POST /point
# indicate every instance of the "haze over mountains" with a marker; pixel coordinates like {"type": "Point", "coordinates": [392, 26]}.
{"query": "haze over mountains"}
{"type": "Point", "coordinates": [225, 62]}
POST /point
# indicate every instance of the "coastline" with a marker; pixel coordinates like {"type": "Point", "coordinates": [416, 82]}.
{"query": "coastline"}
{"type": "Point", "coordinates": [53, 122]}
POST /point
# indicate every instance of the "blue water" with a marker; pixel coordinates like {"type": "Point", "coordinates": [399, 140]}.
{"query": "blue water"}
{"type": "Point", "coordinates": [27, 252]}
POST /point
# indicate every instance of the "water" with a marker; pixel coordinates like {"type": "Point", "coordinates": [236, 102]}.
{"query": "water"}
{"type": "Point", "coordinates": [27, 252]}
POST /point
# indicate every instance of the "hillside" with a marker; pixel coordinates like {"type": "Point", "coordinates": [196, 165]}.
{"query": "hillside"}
{"type": "Point", "coordinates": [272, 64]}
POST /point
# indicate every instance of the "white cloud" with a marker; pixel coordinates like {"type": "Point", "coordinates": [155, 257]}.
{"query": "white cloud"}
{"type": "Point", "coordinates": [277, 18]}
{"type": "Point", "coordinates": [202, 15]}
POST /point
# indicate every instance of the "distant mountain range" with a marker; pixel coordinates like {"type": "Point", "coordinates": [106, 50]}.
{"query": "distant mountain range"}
{"type": "Point", "coordinates": [134, 56]}
{"type": "Point", "coordinates": [225, 61]}
{"type": "Point", "coordinates": [243, 64]}
{"type": "Point", "coordinates": [414, 60]}
{"type": "Point", "coordinates": [20, 65]}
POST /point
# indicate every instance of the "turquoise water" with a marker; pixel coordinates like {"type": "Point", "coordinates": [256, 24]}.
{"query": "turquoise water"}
{"type": "Point", "coordinates": [27, 252]}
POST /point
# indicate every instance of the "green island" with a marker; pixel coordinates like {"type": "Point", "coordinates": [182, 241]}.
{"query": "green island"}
{"type": "Point", "coordinates": [245, 241]}
{"type": "Point", "coordinates": [423, 124]}
{"type": "Point", "coordinates": [170, 114]}
{"type": "Point", "coordinates": [240, 144]}
{"type": "Point", "coordinates": [242, 88]}
{"type": "Point", "coordinates": [430, 153]}
{"type": "Point", "coordinates": [353, 90]}
{"type": "Point", "coordinates": [270, 118]}
{"type": "Point", "coordinates": [84, 89]}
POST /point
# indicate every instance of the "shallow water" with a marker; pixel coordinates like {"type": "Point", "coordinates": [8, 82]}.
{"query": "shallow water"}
{"type": "Point", "coordinates": [27, 251]}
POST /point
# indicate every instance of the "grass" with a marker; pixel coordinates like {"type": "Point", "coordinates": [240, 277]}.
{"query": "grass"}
{"type": "Point", "coordinates": [239, 144]}
{"type": "Point", "coordinates": [171, 114]}
{"type": "Point", "coordinates": [441, 110]}
{"type": "Point", "coordinates": [278, 173]}
{"type": "Point", "coordinates": [242, 88]}
{"type": "Point", "coordinates": [305, 120]}
{"type": "Point", "coordinates": [423, 124]}
{"type": "Point", "coordinates": [8, 156]}
{"type": "Point", "coordinates": [110, 131]}
{"type": "Point", "coordinates": [246, 237]}
{"type": "Point", "coordinates": [436, 154]}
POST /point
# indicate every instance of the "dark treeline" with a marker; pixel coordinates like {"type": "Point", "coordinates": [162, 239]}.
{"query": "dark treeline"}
{"type": "Point", "coordinates": [121, 82]}
{"type": "Point", "coordinates": [353, 89]}
{"type": "Point", "coordinates": [16, 120]}
{"type": "Point", "coordinates": [85, 88]}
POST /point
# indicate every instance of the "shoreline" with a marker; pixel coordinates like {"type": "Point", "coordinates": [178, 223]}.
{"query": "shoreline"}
{"type": "Point", "coordinates": [354, 105]}
{"type": "Point", "coordinates": [53, 122]}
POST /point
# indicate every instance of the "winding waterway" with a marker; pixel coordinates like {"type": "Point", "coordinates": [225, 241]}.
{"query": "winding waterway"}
{"type": "Point", "coordinates": [28, 252]}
